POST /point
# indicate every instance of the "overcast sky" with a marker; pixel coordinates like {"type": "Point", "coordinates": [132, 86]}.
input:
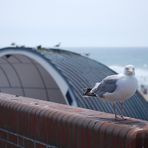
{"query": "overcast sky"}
{"type": "Point", "coordinates": [74, 22]}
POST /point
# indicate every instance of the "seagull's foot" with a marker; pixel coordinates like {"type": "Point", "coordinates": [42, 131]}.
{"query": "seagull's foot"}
{"type": "Point", "coordinates": [119, 118]}
{"type": "Point", "coordinates": [122, 117]}
{"type": "Point", "coordinates": [116, 117]}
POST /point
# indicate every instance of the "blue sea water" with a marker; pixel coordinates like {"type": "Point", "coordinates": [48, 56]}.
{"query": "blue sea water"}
{"type": "Point", "coordinates": [117, 58]}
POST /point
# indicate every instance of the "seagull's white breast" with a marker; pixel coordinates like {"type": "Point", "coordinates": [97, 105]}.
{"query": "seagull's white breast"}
{"type": "Point", "coordinates": [126, 87]}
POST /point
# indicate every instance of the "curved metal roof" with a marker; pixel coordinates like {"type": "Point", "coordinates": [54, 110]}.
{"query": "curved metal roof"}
{"type": "Point", "coordinates": [80, 72]}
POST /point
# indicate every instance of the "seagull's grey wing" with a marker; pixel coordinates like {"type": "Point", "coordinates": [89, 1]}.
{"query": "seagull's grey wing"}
{"type": "Point", "coordinates": [109, 84]}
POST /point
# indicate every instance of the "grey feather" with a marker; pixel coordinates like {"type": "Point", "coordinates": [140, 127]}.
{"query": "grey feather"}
{"type": "Point", "coordinates": [109, 84]}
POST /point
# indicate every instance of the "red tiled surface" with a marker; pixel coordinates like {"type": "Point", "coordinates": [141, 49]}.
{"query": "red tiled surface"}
{"type": "Point", "coordinates": [3, 135]}
{"type": "Point", "coordinates": [20, 141]}
{"type": "Point", "coordinates": [28, 144]}
{"type": "Point", "coordinates": [12, 138]}
{"type": "Point", "coordinates": [3, 144]}
{"type": "Point", "coordinates": [40, 146]}
{"type": "Point", "coordinates": [10, 146]}
{"type": "Point", "coordinates": [68, 127]}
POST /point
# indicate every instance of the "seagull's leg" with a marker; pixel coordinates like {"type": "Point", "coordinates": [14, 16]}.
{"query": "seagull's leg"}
{"type": "Point", "coordinates": [114, 108]}
{"type": "Point", "coordinates": [122, 110]}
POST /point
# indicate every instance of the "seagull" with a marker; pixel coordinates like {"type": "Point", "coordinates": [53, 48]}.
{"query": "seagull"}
{"type": "Point", "coordinates": [116, 88]}
{"type": "Point", "coordinates": [58, 45]}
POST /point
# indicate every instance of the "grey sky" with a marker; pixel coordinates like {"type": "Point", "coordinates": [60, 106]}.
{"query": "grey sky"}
{"type": "Point", "coordinates": [74, 22]}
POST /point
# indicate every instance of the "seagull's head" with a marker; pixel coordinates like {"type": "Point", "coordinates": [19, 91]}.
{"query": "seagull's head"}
{"type": "Point", "coordinates": [129, 70]}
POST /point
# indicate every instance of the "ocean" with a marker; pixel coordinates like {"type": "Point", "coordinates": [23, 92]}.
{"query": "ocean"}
{"type": "Point", "coordinates": [117, 58]}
